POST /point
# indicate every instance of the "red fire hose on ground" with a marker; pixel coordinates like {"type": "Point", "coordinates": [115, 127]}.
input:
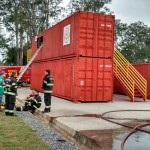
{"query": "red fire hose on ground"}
{"type": "Point", "coordinates": [134, 129]}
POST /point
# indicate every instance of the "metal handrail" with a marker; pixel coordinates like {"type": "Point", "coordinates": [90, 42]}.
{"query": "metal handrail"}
{"type": "Point", "coordinates": [128, 82]}
{"type": "Point", "coordinates": [131, 72]}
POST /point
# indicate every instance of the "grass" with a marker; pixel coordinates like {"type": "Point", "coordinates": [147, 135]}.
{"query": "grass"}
{"type": "Point", "coordinates": [16, 135]}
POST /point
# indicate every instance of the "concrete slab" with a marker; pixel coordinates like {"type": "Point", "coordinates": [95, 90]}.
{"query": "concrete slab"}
{"type": "Point", "coordinates": [86, 123]}
{"type": "Point", "coordinates": [61, 107]}
{"type": "Point", "coordinates": [72, 119]}
{"type": "Point", "coordinates": [69, 113]}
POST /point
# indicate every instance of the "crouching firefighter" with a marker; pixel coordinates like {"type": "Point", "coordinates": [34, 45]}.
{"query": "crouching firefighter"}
{"type": "Point", "coordinates": [47, 85]}
{"type": "Point", "coordinates": [10, 94]}
{"type": "Point", "coordinates": [31, 103]}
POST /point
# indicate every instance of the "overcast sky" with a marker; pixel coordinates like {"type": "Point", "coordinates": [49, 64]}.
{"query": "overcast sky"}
{"type": "Point", "coordinates": [130, 11]}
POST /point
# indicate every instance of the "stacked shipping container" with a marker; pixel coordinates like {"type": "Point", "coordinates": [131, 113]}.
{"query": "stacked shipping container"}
{"type": "Point", "coordinates": [79, 52]}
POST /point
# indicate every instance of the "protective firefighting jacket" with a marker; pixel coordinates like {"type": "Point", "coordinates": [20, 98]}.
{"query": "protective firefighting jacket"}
{"type": "Point", "coordinates": [32, 104]}
{"type": "Point", "coordinates": [47, 85]}
{"type": "Point", "coordinates": [11, 86]}
{"type": "Point", "coordinates": [36, 101]}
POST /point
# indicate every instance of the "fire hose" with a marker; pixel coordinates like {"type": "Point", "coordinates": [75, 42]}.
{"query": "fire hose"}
{"type": "Point", "coordinates": [134, 129]}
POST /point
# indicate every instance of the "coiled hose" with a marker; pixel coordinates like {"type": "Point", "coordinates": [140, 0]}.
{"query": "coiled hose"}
{"type": "Point", "coordinates": [134, 129]}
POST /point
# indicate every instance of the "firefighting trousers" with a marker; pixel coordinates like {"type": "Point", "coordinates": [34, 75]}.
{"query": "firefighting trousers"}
{"type": "Point", "coordinates": [47, 100]}
{"type": "Point", "coordinates": [10, 103]}
{"type": "Point", "coordinates": [26, 107]}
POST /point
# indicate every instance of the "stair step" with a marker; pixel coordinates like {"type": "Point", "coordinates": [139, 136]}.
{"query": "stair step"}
{"type": "Point", "coordinates": [137, 95]}
{"type": "Point", "coordinates": [126, 75]}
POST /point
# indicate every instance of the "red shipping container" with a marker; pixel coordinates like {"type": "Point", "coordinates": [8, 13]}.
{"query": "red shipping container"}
{"type": "Point", "coordinates": [144, 70]}
{"type": "Point", "coordinates": [77, 79]}
{"type": "Point", "coordinates": [117, 87]}
{"type": "Point", "coordinates": [83, 34]}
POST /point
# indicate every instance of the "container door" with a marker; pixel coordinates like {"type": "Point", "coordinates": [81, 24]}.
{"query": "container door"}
{"type": "Point", "coordinates": [104, 35]}
{"type": "Point", "coordinates": [94, 79]}
{"type": "Point", "coordinates": [104, 79]}
{"type": "Point", "coordinates": [86, 34]}
{"type": "Point", "coordinates": [85, 79]}
{"type": "Point", "coordinates": [68, 79]}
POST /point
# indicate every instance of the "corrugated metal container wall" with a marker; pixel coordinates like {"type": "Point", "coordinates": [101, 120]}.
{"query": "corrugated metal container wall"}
{"type": "Point", "coordinates": [144, 69]}
{"type": "Point", "coordinates": [117, 88]}
{"type": "Point", "coordinates": [77, 79]}
{"type": "Point", "coordinates": [83, 34]}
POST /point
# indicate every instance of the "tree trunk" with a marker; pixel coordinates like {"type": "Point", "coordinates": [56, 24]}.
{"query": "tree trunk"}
{"type": "Point", "coordinates": [47, 13]}
{"type": "Point", "coordinates": [21, 49]}
{"type": "Point", "coordinates": [17, 43]}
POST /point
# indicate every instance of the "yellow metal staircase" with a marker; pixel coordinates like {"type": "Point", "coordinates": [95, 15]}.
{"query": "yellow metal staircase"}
{"type": "Point", "coordinates": [131, 81]}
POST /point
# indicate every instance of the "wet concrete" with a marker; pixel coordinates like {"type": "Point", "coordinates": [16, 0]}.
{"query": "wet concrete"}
{"type": "Point", "coordinates": [111, 139]}
{"type": "Point", "coordinates": [137, 141]}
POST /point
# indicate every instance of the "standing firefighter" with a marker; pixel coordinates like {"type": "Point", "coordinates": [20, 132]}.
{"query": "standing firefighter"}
{"type": "Point", "coordinates": [47, 86]}
{"type": "Point", "coordinates": [11, 92]}
{"type": "Point", "coordinates": [32, 102]}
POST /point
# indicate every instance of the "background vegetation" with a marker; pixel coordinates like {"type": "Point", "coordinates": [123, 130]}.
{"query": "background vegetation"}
{"type": "Point", "coordinates": [23, 19]}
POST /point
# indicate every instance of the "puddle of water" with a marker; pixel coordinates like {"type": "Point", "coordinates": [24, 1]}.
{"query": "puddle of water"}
{"type": "Point", "coordinates": [137, 141]}
{"type": "Point", "coordinates": [111, 139]}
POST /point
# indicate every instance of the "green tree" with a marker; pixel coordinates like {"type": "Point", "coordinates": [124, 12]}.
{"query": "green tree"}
{"type": "Point", "coordinates": [11, 54]}
{"type": "Point", "coordinates": [133, 41]}
{"type": "Point", "coordinates": [120, 31]}
{"type": "Point", "coordinates": [3, 47]}
{"type": "Point", "coordinates": [3, 42]}
{"type": "Point", "coordinates": [25, 18]}
{"type": "Point", "coordinates": [38, 15]}
{"type": "Point", "coordinates": [11, 58]}
{"type": "Point", "coordinates": [98, 6]}
{"type": "Point", "coordinates": [10, 12]}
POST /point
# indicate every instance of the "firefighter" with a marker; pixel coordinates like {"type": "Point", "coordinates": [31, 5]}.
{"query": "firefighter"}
{"type": "Point", "coordinates": [10, 94]}
{"type": "Point", "coordinates": [47, 85]}
{"type": "Point", "coordinates": [32, 102]}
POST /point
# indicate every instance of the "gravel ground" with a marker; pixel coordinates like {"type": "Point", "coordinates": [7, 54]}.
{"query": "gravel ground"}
{"type": "Point", "coordinates": [47, 134]}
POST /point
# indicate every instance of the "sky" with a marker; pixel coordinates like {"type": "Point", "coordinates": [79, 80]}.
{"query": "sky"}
{"type": "Point", "coordinates": [129, 11]}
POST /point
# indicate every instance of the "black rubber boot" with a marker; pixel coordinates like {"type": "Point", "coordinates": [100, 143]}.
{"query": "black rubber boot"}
{"type": "Point", "coordinates": [18, 108]}
{"type": "Point", "coordinates": [11, 114]}
{"type": "Point", "coordinates": [6, 113]}
{"type": "Point", "coordinates": [46, 110]}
